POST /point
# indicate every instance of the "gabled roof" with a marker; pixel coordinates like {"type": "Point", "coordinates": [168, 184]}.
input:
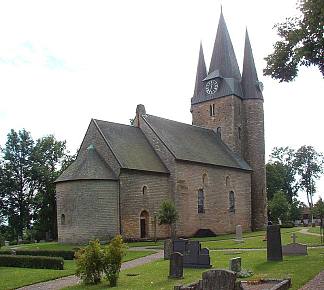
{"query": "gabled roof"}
{"type": "Point", "coordinates": [88, 166]}
{"type": "Point", "coordinates": [223, 57]}
{"type": "Point", "coordinates": [193, 143]}
{"type": "Point", "coordinates": [250, 83]}
{"type": "Point", "coordinates": [130, 147]}
{"type": "Point", "coordinates": [201, 72]}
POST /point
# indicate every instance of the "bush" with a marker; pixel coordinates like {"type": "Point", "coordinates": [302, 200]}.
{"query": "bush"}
{"type": "Point", "coordinates": [66, 255]}
{"type": "Point", "coordinates": [37, 262]}
{"type": "Point", "coordinates": [89, 263]}
{"type": "Point", "coordinates": [287, 225]}
{"type": "Point", "coordinates": [7, 252]}
{"type": "Point", "coordinates": [112, 259]}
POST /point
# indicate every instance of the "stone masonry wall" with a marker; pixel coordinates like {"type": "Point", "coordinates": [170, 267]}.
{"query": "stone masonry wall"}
{"type": "Point", "coordinates": [228, 116]}
{"type": "Point", "coordinates": [254, 154]}
{"type": "Point", "coordinates": [218, 183]}
{"type": "Point", "coordinates": [133, 201]}
{"type": "Point", "coordinates": [90, 209]}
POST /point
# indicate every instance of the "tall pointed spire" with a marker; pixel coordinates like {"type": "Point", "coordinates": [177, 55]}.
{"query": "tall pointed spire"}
{"type": "Point", "coordinates": [252, 88]}
{"type": "Point", "coordinates": [201, 71]}
{"type": "Point", "coordinates": [223, 57]}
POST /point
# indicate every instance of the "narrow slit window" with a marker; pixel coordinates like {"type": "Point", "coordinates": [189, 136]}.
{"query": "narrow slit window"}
{"type": "Point", "coordinates": [219, 132]}
{"type": "Point", "coordinates": [213, 109]}
{"type": "Point", "coordinates": [239, 133]}
{"type": "Point", "coordinates": [231, 198]}
{"type": "Point", "coordinates": [210, 110]}
{"type": "Point", "coordinates": [201, 201]}
{"type": "Point", "coordinates": [62, 219]}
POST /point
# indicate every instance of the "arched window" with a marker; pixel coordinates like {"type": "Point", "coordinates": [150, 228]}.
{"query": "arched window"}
{"type": "Point", "coordinates": [231, 198]}
{"type": "Point", "coordinates": [239, 133]}
{"type": "Point", "coordinates": [205, 179]}
{"type": "Point", "coordinates": [201, 201]}
{"type": "Point", "coordinates": [144, 189]}
{"type": "Point", "coordinates": [62, 219]}
{"type": "Point", "coordinates": [219, 132]}
{"type": "Point", "coordinates": [227, 181]}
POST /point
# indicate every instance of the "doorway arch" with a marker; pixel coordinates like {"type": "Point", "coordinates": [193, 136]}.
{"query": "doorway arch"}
{"type": "Point", "coordinates": [144, 223]}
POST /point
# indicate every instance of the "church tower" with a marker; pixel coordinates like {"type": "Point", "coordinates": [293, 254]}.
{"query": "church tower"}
{"type": "Point", "coordinates": [233, 106]}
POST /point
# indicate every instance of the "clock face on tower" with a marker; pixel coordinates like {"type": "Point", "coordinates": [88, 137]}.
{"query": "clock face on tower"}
{"type": "Point", "coordinates": [211, 87]}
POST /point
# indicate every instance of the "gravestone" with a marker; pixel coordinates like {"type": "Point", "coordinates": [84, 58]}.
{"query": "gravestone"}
{"type": "Point", "coordinates": [294, 248]}
{"type": "Point", "coordinates": [167, 249]}
{"type": "Point", "coordinates": [193, 255]}
{"type": "Point", "coordinates": [176, 265]}
{"type": "Point", "coordinates": [238, 231]}
{"type": "Point", "coordinates": [235, 264]}
{"type": "Point", "coordinates": [218, 279]}
{"type": "Point", "coordinates": [274, 249]}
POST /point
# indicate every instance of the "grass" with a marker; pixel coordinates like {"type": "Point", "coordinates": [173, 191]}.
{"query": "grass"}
{"type": "Point", "coordinates": [12, 277]}
{"type": "Point", "coordinates": [154, 275]}
{"type": "Point", "coordinates": [315, 230]}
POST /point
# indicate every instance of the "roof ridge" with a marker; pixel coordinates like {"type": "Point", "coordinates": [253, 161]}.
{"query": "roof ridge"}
{"type": "Point", "coordinates": [115, 123]}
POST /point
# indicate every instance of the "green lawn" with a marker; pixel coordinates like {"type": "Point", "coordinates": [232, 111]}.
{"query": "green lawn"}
{"type": "Point", "coordinates": [154, 275]}
{"type": "Point", "coordinates": [315, 230]}
{"type": "Point", "coordinates": [12, 277]}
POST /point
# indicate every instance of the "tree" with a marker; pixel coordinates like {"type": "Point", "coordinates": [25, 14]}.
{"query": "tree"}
{"type": "Point", "coordinates": [281, 173]}
{"type": "Point", "coordinates": [48, 157]}
{"type": "Point", "coordinates": [279, 207]}
{"type": "Point", "coordinates": [309, 165]}
{"type": "Point", "coordinates": [295, 210]}
{"type": "Point", "coordinates": [18, 189]}
{"type": "Point", "coordinates": [318, 211]}
{"type": "Point", "coordinates": [168, 215]}
{"type": "Point", "coordinates": [302, 42]}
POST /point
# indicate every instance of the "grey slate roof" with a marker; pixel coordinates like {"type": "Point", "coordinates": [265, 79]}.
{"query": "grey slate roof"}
{"type": "Point", "coordinates": [88, 166]}
{"type": "Point", "coordinates": [250, 82]}
{"type": "Point", "coordinates": [131, 147]}
{"type": "Point", "coordinates": [193, 143]}
{"type": "Point", "coordinates": [223, 57]}
{"type": "Point", "coordinates": [201, 72]}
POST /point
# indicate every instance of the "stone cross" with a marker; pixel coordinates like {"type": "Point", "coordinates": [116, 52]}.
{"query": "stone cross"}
{"type": "Point", "coordinates": [176, 265]}
{"type": "Point", "coordinates": [235, 264]}
{"type": "Point", "coordinates": [293, 236]}
{"type": "Point", "coordinates": [238, 231]}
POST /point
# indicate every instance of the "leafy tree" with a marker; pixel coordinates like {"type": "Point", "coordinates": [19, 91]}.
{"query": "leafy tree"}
{"type": "Point", "coordinates": [302, 42]}
{"type": "Point", "coordinates": [18, 188]}
{"type": "Point", "coordinates": [295, 210]}
{"type": "Point", "coordinates": [279, 207]}
{"type": "Point", "coordinates": [281, 173]}
{"type": "Point", "coordinates": [309, 165]}
{"type": "Point", "coordinates": [168, 215]}
{"type": "Point", "coordinates": [48, 157]}
{"type": "Point", "coordinates": [318, 211]}
{"type": "Point", "coordinates": [113, 254]}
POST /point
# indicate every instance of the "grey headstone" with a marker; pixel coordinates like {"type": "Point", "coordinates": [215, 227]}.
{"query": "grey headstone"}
{"type": "Point", "coordinates": [294, 249]}
{"type": "Point", "coordinates": [238, 232]}
{"type": "Point", "coordinates": [235, 264]}
{"type": "Point", "coordinates": [176, 265]}
{"type": "Point", "coordinates": [274, 249]}
{"type": "Point", "coordinates": [7, 243]}
{"type": "Point", "coordinates": [167, 249]}
{"type": "Point", "coordinates": [218, 279]}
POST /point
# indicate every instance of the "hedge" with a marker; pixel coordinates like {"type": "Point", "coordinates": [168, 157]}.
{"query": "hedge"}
{"type": "Point", "coordinates": [37, 262]}
{"type": "Point", "coordinates": [66, 255]}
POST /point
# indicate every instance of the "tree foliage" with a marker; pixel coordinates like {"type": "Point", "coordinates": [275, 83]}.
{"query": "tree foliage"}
{"type": "Point", "coordinates": [301, 42]}
{"type": "Point", "coordinates": [309, 166]}
{"type": "Point", "coordinates": [168, 215]}
{"type": "Point", "coordinates": [279, 207]}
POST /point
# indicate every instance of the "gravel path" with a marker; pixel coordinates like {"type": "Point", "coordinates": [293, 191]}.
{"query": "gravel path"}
{"type": "Point", "coordinates": [306, 232]}
{"type": "Point", "coordinates": [317, 283]}
{"type": "Point", "coordinates": [72, 280]}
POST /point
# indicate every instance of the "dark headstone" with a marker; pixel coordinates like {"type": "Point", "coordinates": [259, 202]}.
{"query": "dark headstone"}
{"type": "Point", "coordinates": [238, 234]}
{"type": "Point", "coordinates": [167, 249]}
{"type": "Point", "coordinates": [193, 255]}
{"type": "Point", "coordinates": [176, 265]}
{"type": "Point", "coordinates": [294, 249]}
{"type": "Point", "coordinates": [219, 279]}
{"type": "Point", "coordinates": [235, 264]}
{"type": "Point", "coordinates": [274, 249]}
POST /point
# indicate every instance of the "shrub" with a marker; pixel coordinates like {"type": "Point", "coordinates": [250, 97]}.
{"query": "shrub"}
{"type": "Point", "coordinates": [89, 263]}
{"type": "Point", "coordinates": [66, 255]}
{"type": "Point", "coordinates": [287, 225]}
{"type": "Point", "coordinates": [112, 259]}
{"type": "Point", "coordinates": [37, 262]}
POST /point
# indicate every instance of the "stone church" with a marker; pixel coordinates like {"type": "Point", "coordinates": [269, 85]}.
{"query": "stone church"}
{"type": "Point", "coordinates": [213, 170]}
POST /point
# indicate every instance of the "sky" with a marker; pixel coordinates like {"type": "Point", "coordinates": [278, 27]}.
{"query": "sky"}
{"type": "Point", "coordinates": [65, 62]}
